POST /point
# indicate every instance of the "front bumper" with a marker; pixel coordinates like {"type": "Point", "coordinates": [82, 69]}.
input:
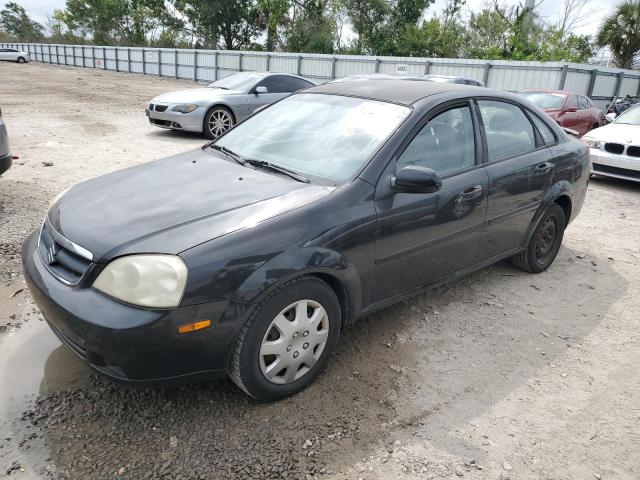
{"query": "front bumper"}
{"type": "Point", "coordinates": [130, 344]}
{"type": "Point", "coordinates": [5, 163]}
{"type": "Point", "coordinates": [189, 122]}
{"type": "Point", "coordinates": [615, 166]}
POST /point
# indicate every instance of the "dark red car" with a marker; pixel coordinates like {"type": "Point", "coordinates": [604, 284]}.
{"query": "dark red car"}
{"type": "Point", "coordinates": [570, 110]}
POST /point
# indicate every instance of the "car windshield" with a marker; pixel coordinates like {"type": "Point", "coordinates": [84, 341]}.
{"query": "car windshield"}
{"type": "Point", "coordinates": [240, 81]}
{"type": "Point", "coordinates": [630, 117]}
{"type": "Point", "coordinates": [543, 99]}
{"type": "Point", "coordinates": [326, 136]}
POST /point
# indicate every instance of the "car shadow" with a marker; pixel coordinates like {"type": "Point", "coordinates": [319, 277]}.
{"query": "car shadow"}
{"type": "Point", "coordinates": [420, 369]}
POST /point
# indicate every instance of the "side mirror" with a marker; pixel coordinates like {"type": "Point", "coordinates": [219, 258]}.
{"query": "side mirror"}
{"type": "Point", "coordinates": [610, 117]}
{"type": "Point", "coordinates": [415, 179]}
{"type": "Point", "coordinates": [261, 89]}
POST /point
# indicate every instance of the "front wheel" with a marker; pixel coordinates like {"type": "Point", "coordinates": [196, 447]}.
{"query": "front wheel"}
{"type": "Point", "coordinates": [217, 122]}
{"type": "Point", "coordinates": [544, 243]}
{"type": "Point", "coordinates": [286, 340]}
{"type": "Point", "coordinates": [22, 60]}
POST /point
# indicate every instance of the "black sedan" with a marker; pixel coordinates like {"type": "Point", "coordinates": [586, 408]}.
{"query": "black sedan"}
{"type": "Point", "coordinates": [246, 257]}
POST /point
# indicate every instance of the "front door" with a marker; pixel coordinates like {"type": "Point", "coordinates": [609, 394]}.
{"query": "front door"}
{"type": "Point", "coordinates": [421, 237]}
{"type": "Point", "coordinates": [278, 87]}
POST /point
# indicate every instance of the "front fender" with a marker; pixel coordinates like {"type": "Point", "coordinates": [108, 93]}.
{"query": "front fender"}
{"type": "Point", "coordinates": [298, 262]}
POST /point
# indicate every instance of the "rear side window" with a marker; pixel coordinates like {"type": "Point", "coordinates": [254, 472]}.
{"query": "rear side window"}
{"type": "Point", "coordinates": [572, 102]}
{"type": "Point", "coordinates": [299, 84]}
{"type": "Point", "coordinates": [583, 103]}
{"type": "Point", "coordinates": [508, 130]}
{"type": "Point", "coordinates": [546, 133]}
{"type": "Point", "coordinates": [445, 144]}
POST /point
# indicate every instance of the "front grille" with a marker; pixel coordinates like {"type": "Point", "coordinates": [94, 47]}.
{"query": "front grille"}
{"type": "Point", "coordinates": [633, 151]}
{"type": "Point", "coordinates": [161, 108]}
{"type": "Point", "coordinates": [62, 262]}
{"type": "Point", "coordinates": [616, 148]}
{"type": "Point", "coordinates": [616, 171]}
{"type": "Point", "coordinates": [151, 107]}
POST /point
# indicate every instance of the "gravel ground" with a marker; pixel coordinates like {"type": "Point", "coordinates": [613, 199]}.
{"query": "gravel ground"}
{"type": "Point", "coordinates": [499, 375]}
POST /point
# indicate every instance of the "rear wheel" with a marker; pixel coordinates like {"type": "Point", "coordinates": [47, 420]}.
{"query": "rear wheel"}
{"type": "Point", "coordinates": [217, 122]}
{"type": "Point", "coordinates": [286, 340]}
{"type": "Point", "coordinates": [22, 60]}
{"type": "Point", "coordinates": [544, 243]}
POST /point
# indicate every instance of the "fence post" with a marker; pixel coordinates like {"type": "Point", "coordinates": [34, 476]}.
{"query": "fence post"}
{"type": "Point", "coordinates": [57, 55]}
{"type": "Point", "coordinates": [117, 61]}
{"type": "Point", "coordinates": [144, 63]}
{"type": "Point", "coordinates": [49, 50]}
{"type": "Point", "coordinates": [175, 60]}
{"type": "Point", "coordinates": [240, 56]}
{"type": "Point", "coordinates": [104, 58]}
{"type": "Point", "coordinates": [93, 56]}
{"type": "Point", "coordinates": [195, 66]}
{"type": "Point", "coordinates": [592, 82]}
{"type": "Point", "coordinates": [268, 62]}
{"type": "Point", "coordinates": [638, 92]}
{"type": "Point", "coordinates": [64, 49]}
{"type": "Point", "coordinates": [82, 47]}
{"type": "Point", "coordinates": [299, 67]}
{"type": "Point", "coordinates": [619, 83]}
{"type": "Point", "coordinates": [215, 65]}
{"type": "Point", "coordinates": [377, 68]}
{"type": "Point", "coordinates": [333, 67]}
{"type": "Point", "coordinates": [129, 59]}
{"type": "Point", "coordinates": [427, 67]}
{"type": "Point", "coordinates": [159, 53]}
{"type": "Point", "coordinates": [563, 76]}
{"type": "Point", "coordinates": [485, 75]}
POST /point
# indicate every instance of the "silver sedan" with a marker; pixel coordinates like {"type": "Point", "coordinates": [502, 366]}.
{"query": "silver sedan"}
{"type": "Point", "coordinates": [216, 108]}
{"type": "Point", "coordinates": [14, 55]}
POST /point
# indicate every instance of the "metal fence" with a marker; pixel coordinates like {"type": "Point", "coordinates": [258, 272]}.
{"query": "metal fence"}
{"type": "Point", "coordinates": [599, 83]}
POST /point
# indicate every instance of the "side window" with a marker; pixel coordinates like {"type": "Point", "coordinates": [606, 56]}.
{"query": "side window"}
{"type": "Point", "coordinates": [446, 143]}
{"type": "Point", "coordinates": [276, 84]}
{"type": "Point", "coordinates": [584, 103]}
{"type": "Point", "coordinates": [572, 102]}
{"type": "Point", "coordinates": [299, 84]}
{"type": "Point", "coordinates": [508, 130]}
{"type": "Point", "coordinates": [546, 133]}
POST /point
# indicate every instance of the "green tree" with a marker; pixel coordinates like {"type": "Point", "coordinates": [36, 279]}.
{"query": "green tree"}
{"type": "Point", "coordinates": [15, 22]}
{"type": "Point", "coordinates": [272, 14]}
{"type": "Point", "coordinates": [312, 28]}
{"type": "Point", "coordinates": [621, 33]}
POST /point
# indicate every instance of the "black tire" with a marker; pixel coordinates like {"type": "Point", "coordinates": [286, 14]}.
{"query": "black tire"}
{"type": "Point", "coordinates": [217, 111]}
{"type": "Point", "coordinates": [21, 60]}
{"type": "Point", "coordinates": [544, 243]}
{"type": "Point", "coordinates": [244, 366]}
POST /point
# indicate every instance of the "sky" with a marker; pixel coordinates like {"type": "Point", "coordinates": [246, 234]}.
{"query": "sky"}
{"type": "Point", "coordinates": [548, 9]}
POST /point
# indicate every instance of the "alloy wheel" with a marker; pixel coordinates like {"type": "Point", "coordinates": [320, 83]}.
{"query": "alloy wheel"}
{"type": "Point", "coordinates": [294, 341]}
{"type": "Point", "coordinates": [219, 122]}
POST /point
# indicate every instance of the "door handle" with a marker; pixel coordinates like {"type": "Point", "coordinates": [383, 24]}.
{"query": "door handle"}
{"type": "Point", "coordinates": [471, 193]}
{"type": "Point", "coordinates": [543, 168]}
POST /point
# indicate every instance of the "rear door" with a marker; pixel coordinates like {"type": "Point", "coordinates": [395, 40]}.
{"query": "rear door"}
{"type": "Point", "coordinates": [520, 170]}
{"type": "Point", "coordinates": [421, 237]}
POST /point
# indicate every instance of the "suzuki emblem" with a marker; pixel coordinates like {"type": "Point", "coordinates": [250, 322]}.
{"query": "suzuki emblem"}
{"type": "Point", "coordinates": [51, 254]}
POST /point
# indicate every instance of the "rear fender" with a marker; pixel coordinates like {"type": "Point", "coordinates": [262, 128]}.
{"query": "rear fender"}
{"type": "Point", "coordinates": [559, 189]}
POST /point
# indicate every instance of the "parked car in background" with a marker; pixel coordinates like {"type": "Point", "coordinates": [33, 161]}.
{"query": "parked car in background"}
{"type": "Point", "coordinates": [247, 256]}
{"type": "Point", "coordinates": [214, 109]}
{"type": "Point", "coordinates": [615, 148]}
{"type": "Point", "coordinates": [5, 153]}
{"type": "Point", "coordinates": [454, 79]}
{"type": "Point", "coordinates": [14, 55]}
{"type": "Point", "coordinates": [619, 105]}
{"type": "Point", "coordinates": [570, 110]}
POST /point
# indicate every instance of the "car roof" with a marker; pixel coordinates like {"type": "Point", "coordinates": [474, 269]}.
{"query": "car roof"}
{"type": "Point", "coordinates": [392, 90]}
{"type": "Point", "coordinates": [548, 90]}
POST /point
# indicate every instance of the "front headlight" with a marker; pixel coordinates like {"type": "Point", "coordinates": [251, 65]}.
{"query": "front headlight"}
{"type": "Point", "coordinates": [187, 108]}
{"type": "Point", "coordinates": [149, 280]}
{"type": "Point", "coordinates": [593, 143]}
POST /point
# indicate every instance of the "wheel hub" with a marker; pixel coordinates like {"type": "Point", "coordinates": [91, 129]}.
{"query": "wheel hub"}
{"type": "Point", "coordinates": [294, 341]}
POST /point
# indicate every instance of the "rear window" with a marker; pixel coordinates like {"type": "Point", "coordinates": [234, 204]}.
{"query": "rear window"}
{"type": "Point", "coordinates": [543, 99]}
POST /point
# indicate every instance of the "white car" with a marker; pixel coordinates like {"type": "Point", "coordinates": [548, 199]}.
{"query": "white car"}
{"type": "Point", "coordinates": [615, 148]}
{"type": "Point", "coordinates": [14, 55]}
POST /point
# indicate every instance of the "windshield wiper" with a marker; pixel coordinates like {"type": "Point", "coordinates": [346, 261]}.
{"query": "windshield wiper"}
{"type": "Point", "coordinates": [277, 168]}
{"type": "Point", "coordinates": [230, 153]}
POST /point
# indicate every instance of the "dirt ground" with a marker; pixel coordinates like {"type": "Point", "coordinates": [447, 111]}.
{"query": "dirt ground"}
{"type": "Point", "coordinates": [500, 375]}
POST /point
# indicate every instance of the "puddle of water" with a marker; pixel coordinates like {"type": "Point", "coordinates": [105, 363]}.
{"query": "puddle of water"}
{"type": "Point", "coordinates": [33, 361]}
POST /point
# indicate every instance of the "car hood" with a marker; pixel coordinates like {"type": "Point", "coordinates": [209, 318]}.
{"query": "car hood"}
{"type": "Point", "coordinates": [173, 204]}
{"type": "Point", "coordinates": [616, 132]}
{"type": "Point", "coordinates": [194, 95]}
